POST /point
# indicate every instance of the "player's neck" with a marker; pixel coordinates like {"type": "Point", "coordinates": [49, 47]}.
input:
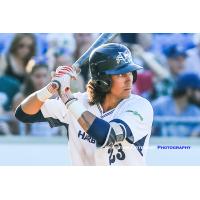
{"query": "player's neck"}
{"type": "Point", "coordinates": [110, 102]}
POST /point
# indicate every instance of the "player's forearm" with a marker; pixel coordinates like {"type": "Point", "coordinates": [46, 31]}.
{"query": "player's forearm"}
{"type": "Point", "coordinates": [32, 104]}
{"type": "Point", "coordinates": [83, 116]}
{"type": "Point", "coordinates": [105, 133]}
{"type": "Point", "coordinates": [92, 125]}
{"type": "Point", "coordinates": [86, 120]}
{"type": "Point", "coordinates": [97, 128]}
{"type": "Point", "coordinates": [102, 131]}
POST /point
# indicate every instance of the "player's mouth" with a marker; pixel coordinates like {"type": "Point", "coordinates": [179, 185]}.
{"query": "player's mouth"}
{"type": "Point", "coordinates": [127, 89]}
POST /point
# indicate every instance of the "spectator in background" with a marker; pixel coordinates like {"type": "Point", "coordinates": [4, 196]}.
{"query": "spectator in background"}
{"type": "Point", "coordinates": [60, 52]}
{"type": "Point", "coordinates": [21, 51]}
{"type": "Point", "coordinates": [176, 57]}
{"type": "Point", "coordinates": [163, 40]}
{"type": "Point", "coordinates": [62, 57]}
{"type": "Point", "coordinates": [61, 47]}
{"type": "Point", "coordinates": [193, 60]}
{"type": "Point", "coordinates": [153, 69]}
{"type": "Point", "coordinates": [4, 125]}
{"type": "Point", "coordinates": [178, 106]}
{"type": "Point", "coordinates": [37, 78]}
{"type": "Point", "coordinates": [9, 88]}
{"type": "Point", "coordinates": [144, 85]}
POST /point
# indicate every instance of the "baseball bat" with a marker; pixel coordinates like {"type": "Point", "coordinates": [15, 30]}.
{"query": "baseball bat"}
{"type": "Point", "coordinates": [102, 39]}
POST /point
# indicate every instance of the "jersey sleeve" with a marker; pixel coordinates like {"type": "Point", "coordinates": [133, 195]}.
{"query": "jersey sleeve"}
{"type": "Point", "coordinates": [55, 112]}
{"type": "Point", "coordinates": [26, 118]}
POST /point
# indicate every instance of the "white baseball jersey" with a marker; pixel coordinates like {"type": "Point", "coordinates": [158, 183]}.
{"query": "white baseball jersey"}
{"type": "Point", "coordinates": [135, 111]}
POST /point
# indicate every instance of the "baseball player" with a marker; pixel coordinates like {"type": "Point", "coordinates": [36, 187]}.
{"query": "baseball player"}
{"type": "Point", "coordinates": [106, 125]}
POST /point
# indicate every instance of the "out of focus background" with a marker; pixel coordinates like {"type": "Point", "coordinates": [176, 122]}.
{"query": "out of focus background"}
{"type": "Point", "coordinates": [170, 80]}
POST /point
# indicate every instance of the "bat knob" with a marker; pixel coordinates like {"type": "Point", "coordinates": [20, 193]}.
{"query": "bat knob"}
{"type": "Point", "coordinates": [55, 85]}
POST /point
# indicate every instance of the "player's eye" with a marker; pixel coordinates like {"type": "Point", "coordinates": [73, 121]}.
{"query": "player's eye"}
{"type": "Point", "coordinates": [124, 75]}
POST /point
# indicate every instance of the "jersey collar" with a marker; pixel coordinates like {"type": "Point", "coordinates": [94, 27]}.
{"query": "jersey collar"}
{"type": "Point", "coordinates": [104, 114]}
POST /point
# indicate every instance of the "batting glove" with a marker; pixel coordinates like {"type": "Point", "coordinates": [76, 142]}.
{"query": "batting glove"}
{"type": "Point", "coordinates": [63, 76]}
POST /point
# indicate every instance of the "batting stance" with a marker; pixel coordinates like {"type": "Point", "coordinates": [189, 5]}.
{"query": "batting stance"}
{"type": "Point", "coordinates": [107, 125]}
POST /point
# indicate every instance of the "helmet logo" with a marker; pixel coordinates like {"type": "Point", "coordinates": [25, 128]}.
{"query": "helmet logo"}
{"type": "Point", "coordinates": [125, 57]}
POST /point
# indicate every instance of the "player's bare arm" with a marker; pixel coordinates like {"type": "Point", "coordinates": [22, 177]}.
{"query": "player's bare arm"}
{"type": "Point", "coordinates": [32, 104]}
{"type": "Point", "coordinates": [30, 107]}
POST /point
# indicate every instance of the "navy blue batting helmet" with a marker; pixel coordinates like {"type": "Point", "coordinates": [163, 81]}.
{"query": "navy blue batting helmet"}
{"type": "Point", "coordinates": [111, 59]}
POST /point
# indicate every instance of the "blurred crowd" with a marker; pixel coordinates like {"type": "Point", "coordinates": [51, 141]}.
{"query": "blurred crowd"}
{"type": "Point", "coordinates": [170, 79]}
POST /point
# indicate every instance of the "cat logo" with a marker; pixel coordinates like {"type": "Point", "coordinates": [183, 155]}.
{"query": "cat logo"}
{"type": "Point", "coordinates": [124, 57]}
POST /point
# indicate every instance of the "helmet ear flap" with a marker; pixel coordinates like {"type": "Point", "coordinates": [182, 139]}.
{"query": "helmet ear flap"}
{"type": "Point", "coordinates": [103, 85]}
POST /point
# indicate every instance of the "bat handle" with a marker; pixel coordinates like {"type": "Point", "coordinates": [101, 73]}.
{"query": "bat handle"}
{"type": "Point", "coordinates": [55, 85]}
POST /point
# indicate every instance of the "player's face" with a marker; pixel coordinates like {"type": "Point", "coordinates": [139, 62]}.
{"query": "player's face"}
{"type": "Point", "coordinates": [122, 85]}
{"type": "Point", "coordinates": [176, 65]}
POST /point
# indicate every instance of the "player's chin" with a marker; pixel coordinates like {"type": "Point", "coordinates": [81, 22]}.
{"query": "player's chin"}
{"type": "Point", "coordinates": [126, 93]}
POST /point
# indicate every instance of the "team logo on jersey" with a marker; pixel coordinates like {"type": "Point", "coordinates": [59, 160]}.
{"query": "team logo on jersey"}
{"type": "Point", "coordinates": [124, 57]}
{"type": "Point", "coordinates": [136, 114]}
{"type": "Point", "coordinates": [86, 137]}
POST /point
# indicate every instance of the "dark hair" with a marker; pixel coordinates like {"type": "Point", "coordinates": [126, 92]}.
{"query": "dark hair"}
{"type": "Point", "coordinates": [178, 93]}
{"type": "Point", "coordinates": [95, 92]}
{"type": "Point", "coordinates": [15, 44]}
{"type": "Point", "coordinates": [28, 84]}
{"type": "Point", "coordinates": [97, 89]}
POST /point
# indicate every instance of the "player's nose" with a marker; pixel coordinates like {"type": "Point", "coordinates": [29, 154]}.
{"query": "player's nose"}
{"type": "Point", "coordinates": [129, 77]}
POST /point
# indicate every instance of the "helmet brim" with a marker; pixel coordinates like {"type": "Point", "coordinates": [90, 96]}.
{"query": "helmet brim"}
{"type": "Point", "coordinates": [124, 69]}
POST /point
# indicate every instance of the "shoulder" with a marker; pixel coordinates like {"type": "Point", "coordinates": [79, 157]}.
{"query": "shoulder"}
{"type": "Point", "coordinates": [140, 107]}
{"type": "Point", "coordinates": [80, 95]}
{"type": "Point", "coordinates": [54, 102]}
{"type": "Point", "coordinates": [139, 102]}
{"type": "Point", "coordinates": [192, 52]}
{"type": "Point", "coordinates": [53, 105]}
{"type": "Point", "coordinates": [160, 105]}
{"type": "Point", "coordinates": [54, 108]}
{"type": "Point", "coordinates": [195, 110]}
{"type": "Point", "coordinates": [83, 98]}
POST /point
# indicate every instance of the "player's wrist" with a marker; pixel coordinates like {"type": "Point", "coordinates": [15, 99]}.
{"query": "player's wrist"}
{"type": "Point", "coordinates": [75, 107]}
{"type": "Point", "coordinates": [47, 91]}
